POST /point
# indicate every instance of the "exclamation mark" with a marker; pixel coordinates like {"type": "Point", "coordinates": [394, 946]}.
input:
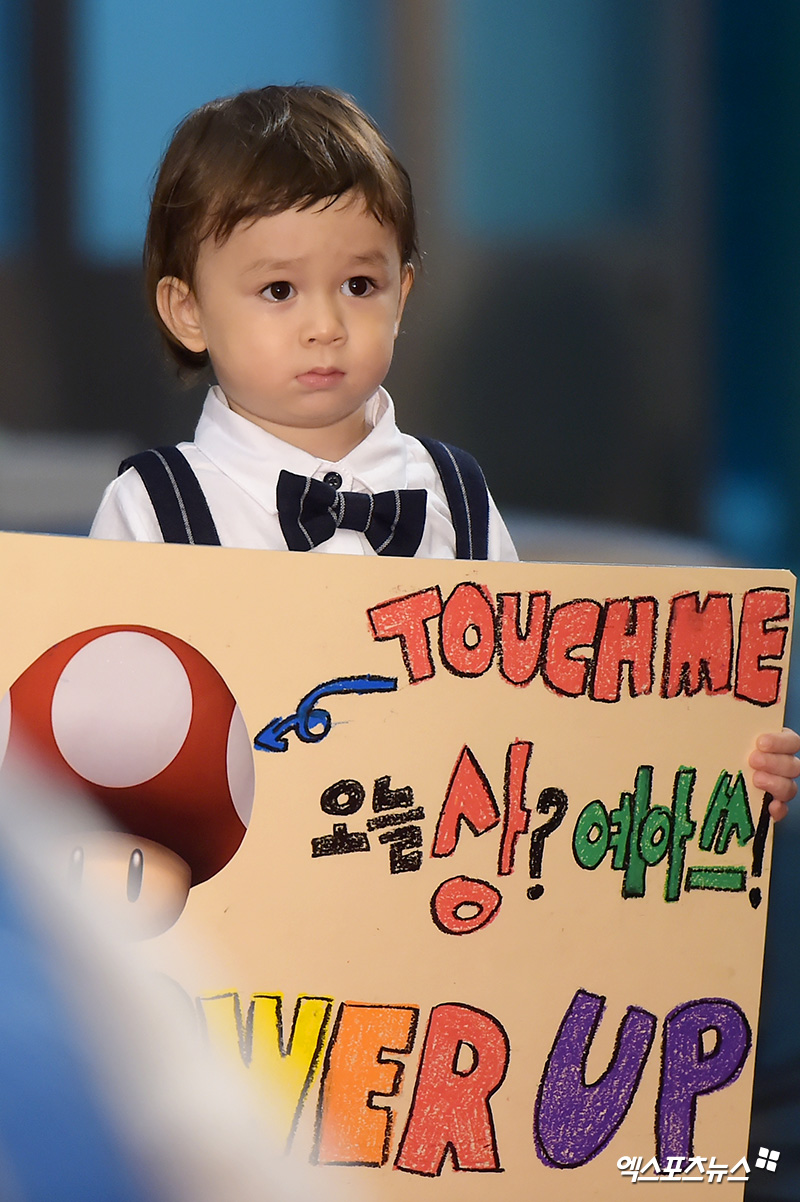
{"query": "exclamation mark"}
{"type": "Point", "coordinates": [759, 843]}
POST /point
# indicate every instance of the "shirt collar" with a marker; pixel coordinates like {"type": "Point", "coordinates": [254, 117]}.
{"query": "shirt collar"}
{"type": "Point", "coordinates": [254, 458]}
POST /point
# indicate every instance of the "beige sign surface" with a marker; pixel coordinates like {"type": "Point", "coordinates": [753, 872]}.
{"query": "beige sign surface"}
{"type": "Point", "coordinates": [492, 905]}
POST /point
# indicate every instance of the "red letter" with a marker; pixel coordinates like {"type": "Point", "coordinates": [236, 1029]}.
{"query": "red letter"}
{"type": "Point", "coordinates": [754, 682]}
{"type": "Point", "coordinates": [351, 1129]}
{"type": "Point", "coordinates": [571, 626]}
{"type": "Point", "coordinates": [469, 797]}
{"type": "Point", "coordinates": [628, 637]}
{"type": "Point", "coordinates": [467, 611]}
{"type": "Point", "coordinates": [478, 896]}
{"type": "Point", "coordinates": [450, 1109]}
{"type": "Point", "coordinates": [699, 648]}
{"type": "Point", "coordinates": [517, 815]}
{"type": "Point", "coordinates": [405, 619]}
{"type": "Point", "coordinates": [520, 651]}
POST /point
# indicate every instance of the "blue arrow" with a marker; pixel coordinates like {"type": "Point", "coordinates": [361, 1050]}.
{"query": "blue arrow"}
{"type": "Point", "coordinates": [309, 724]}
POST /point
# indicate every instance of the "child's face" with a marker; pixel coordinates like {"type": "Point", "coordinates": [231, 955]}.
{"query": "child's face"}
{"type": "Point", "coordinates": [299, 313]}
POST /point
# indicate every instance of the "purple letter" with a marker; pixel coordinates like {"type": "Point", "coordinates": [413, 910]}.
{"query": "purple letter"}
{"type": "Point", "coordinates": [688, 1069]}
{"type": "Point", "coordinates": [573, 1121]}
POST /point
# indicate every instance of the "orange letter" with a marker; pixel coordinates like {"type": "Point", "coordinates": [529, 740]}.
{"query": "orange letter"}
{"type": "Point", "coordinates": [699, 649]}
{"type": "Point", "coordinates": [404, 619]}
{"type": "Point", "coordinates": [351, 1129]}
{"type": "Point", "coordinates": [517, 815]}
{"type": "Point", "coordinates": [628, 637]}
{"type": "Point", "coordinates": [754, 682]}
{"type": "Point", "coordinates": [469, 797]}
{"type": "Point", "coordinates": [480, 899]}
{"type": "Point", "coordinates": [466, 632]}
{"type": "Point", "coordinates": [571, 626]}
{"type": "Point", "coordinates": [450, 1109]}
{"type": "Point", "coordinates": [519, 652]}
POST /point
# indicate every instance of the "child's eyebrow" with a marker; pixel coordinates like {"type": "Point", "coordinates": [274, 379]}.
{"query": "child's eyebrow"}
{"type": "Point", "coordinates": [261, 265]}
{"type": "Point", "coordinates": [370, 258]}
{"type": "Point", "coordinates": [375, 256]}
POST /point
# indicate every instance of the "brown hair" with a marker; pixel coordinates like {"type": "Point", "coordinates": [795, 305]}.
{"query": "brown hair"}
{"type": "Point", "coordinates": [257, 154]}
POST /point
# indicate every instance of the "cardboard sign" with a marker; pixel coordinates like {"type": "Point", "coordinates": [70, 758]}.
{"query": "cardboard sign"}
{"type": "Point", "coordinates": [499, 906]}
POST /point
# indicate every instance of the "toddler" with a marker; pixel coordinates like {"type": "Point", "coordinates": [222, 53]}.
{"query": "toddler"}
{"type": "Point", "coordinates": [279, 255]}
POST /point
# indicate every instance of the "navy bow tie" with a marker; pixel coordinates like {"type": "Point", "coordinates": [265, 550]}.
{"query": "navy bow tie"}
{"type": "Point", "coordinates": [311, 511]}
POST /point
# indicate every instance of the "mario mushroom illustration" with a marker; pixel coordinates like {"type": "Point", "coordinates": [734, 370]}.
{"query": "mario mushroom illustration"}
{"type": "Point", "coordinates": [143, 725]}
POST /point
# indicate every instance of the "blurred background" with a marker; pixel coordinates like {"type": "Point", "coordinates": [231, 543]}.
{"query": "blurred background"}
{"type": "Point", "coordinates": [608, 312]}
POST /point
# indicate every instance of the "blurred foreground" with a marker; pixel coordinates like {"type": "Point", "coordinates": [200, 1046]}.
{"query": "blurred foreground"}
{"type": "Point", "coordinates": [108, 1092]}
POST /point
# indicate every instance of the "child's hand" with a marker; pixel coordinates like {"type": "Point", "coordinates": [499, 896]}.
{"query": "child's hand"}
{"type": "Point", "coordinates": [776, 766]}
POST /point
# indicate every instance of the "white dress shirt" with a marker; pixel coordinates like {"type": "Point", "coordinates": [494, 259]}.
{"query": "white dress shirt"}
{"type": "Point", "coordinates": [237, 464]}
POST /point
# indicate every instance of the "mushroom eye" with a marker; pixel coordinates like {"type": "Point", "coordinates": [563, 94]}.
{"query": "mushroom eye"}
{"type": "Point", "coordinates": [76, 867]}
{"type": "Point", "coordinates": [136, 883]}
{"type": "Point", "coordinates": [135, 874]}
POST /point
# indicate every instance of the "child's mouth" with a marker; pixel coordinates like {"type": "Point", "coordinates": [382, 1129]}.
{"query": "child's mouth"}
{"type": "Point", "coordinates": [320, 377]}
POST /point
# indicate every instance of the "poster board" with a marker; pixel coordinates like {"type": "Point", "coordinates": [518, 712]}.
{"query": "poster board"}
{"type": "Point", "coordinates": [418, 958]}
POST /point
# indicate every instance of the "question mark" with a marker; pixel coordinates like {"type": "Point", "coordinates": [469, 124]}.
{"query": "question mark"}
{"type": "Point", "coordinates": [549, 799]}
{"type": "Point", "coordinates": [759, 843]}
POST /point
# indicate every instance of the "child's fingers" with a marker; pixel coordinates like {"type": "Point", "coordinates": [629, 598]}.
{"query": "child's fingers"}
{"type": "Point", "coordinates": [782, 788]}
{"type": "Point", "coordinates": [785, 742]}
{"type": "Point", "coordinates": [777, 765]}
{"type": "Point", "coordinates": [778, 810]}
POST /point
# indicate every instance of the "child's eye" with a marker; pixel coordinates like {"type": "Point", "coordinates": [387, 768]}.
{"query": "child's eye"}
{"type": "Point", "coordinates": [358, 285]}
{"type": "Point", "coordinates": [281, 290]}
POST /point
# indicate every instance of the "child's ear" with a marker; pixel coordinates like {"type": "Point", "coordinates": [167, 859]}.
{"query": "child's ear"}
{"type": "Point", "coordinates": [406, 280]}
{"type": "Point", "coordinates": [177, 308]}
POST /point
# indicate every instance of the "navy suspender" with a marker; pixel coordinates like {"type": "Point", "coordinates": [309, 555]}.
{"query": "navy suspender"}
{"type": "Point", "coordinates": [467, 496]}
{"type": "Point", "coordinates": [184, 517]}
{"type": "Point", "coordinates": [177, 498]}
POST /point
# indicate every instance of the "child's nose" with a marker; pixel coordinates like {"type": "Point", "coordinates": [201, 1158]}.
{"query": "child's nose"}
{"type": "Point", "coordinates": [324, 323]}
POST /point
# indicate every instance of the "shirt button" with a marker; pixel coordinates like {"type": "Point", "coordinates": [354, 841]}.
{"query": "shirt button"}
{"type": "Point", "coordinates": [333, 478]}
